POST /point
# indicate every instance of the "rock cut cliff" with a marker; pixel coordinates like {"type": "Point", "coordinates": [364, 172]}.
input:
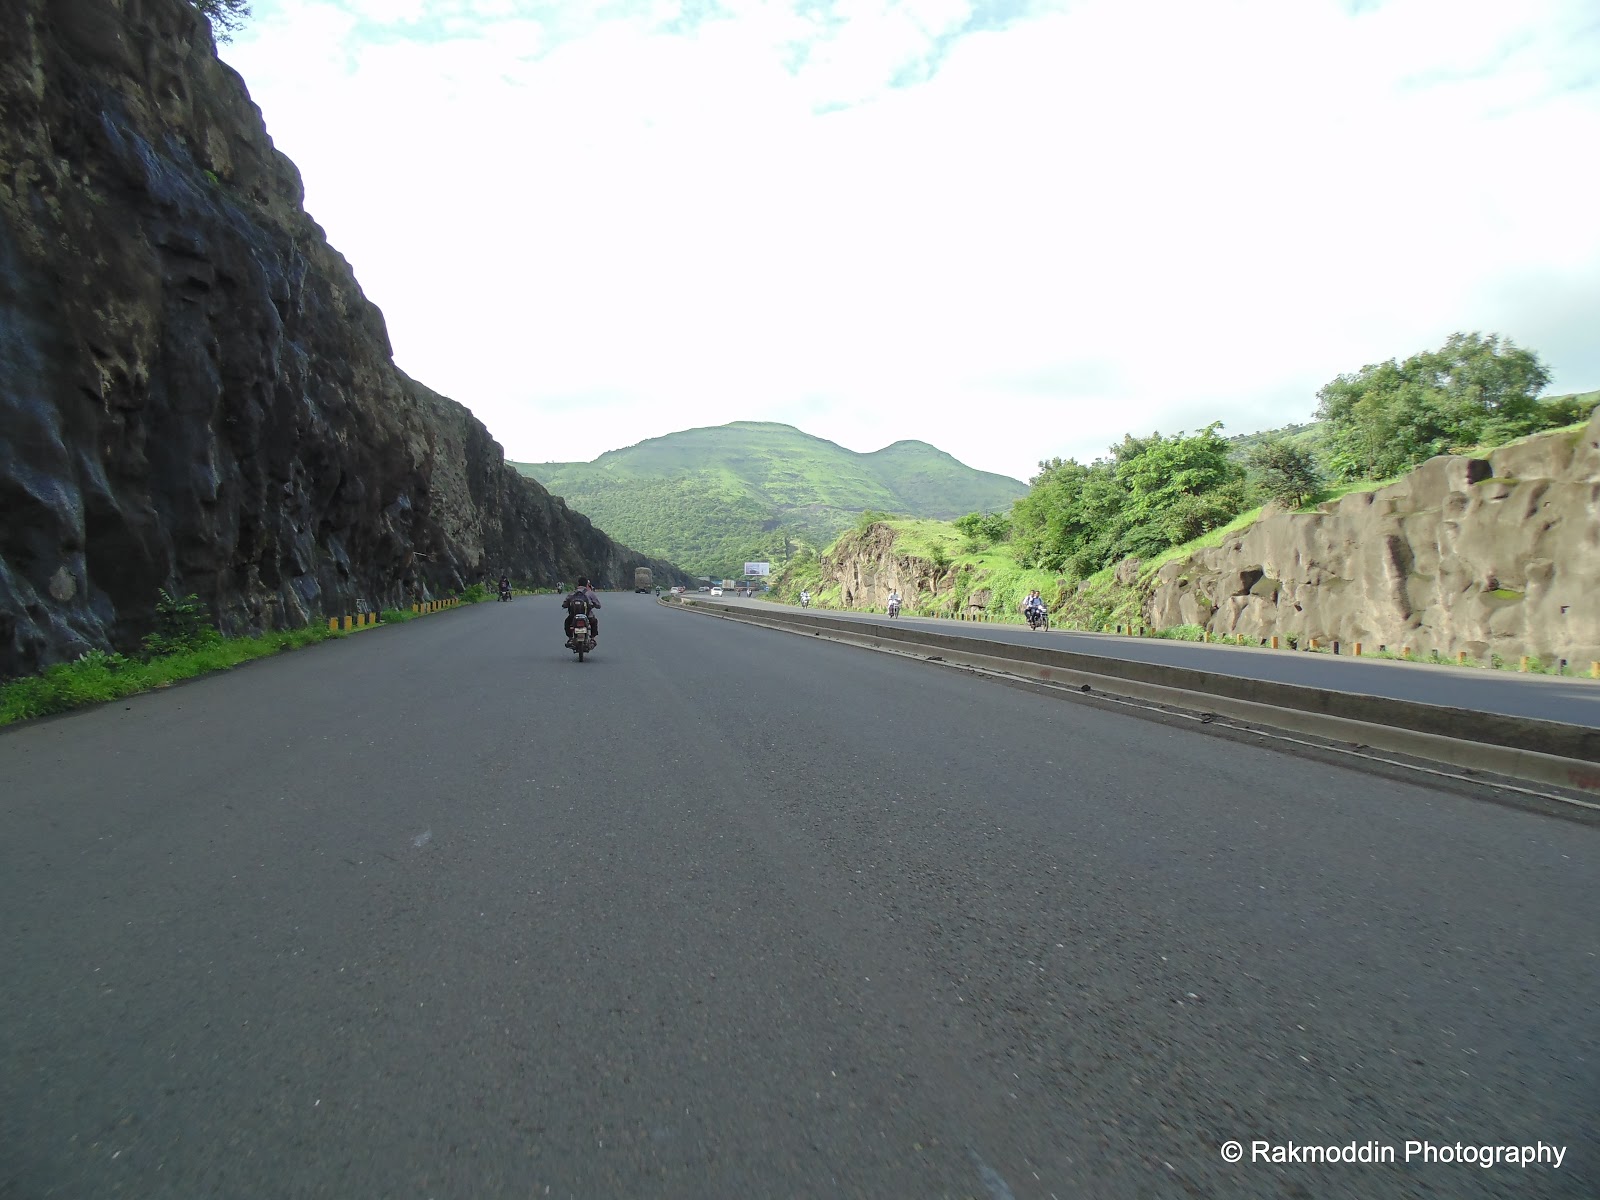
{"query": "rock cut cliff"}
{"type": "Point", "coordinates": [1491, 555]}
{"type": "Point", "coordinates": [194, 393]}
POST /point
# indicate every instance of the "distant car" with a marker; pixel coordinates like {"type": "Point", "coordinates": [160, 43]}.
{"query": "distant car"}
{"type": "Point", "coordinates": [679, 590]}
{"type": "Point", "coordinates": [704, 589]}
{"type": "Point", "coordinates": [716, 591]}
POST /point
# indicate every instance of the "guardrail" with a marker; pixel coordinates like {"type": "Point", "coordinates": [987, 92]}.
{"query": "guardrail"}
{"type": "Point", "coordinates": [366, 618]}
{"type": "Point", "coordinates": [1526, 663]}
{"type": "Point", "coordinates": [1549, 752]}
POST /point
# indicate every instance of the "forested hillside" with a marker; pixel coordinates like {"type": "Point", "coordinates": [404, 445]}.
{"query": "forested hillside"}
{"type": "Point", "coordinates": [712, 499]}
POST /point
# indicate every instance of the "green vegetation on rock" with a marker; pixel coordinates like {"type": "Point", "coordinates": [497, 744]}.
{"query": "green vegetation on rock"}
{"type": "Point", "coordinates": [952, 577]}
{"type": "Point", "coordinates": [1152, 495]}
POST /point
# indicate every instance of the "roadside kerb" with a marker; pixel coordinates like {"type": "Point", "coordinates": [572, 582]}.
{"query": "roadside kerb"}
{"type": "Point", "coordinates": [1550, 752]}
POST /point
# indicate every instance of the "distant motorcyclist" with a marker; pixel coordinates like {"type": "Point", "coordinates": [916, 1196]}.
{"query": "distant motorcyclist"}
{"type": "Point", "coordinates": [805, 599]}
{"type": "Point", "coordinates": [505, 587]}
{"type": "Point", "coordinates": [894, 603]}
{"type": "Point", "coordinates": [583, 600]}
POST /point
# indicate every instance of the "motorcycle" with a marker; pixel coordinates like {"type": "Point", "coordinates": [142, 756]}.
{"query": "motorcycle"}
{"type": "Point", "coordinates": [582, 640]}
{"type": "Point", "coordinates": [505, 592]}
{"type": "Point", "coordinates": [1037, 618]}
{"type": "Point", "coordinates": [805, 600]}
{"type": "Point", "coordinates": [894, 608]}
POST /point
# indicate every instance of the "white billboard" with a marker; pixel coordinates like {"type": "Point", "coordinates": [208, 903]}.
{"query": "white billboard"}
{"type": "Point", "coordinates": [758, 568]}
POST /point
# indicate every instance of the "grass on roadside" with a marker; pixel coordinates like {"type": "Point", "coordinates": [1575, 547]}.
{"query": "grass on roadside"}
{"type": "Point", "coordinates": [97, 676]}
{"type": "Point", "coordinates": [184, 645]}
{"type": "Point", "coordinates": [1181, 633]}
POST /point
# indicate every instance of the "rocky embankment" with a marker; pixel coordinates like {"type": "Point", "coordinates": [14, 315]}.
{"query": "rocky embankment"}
{"type": "Point", "coordinates": [1493, 555]}
{"type": "Point", "coordinates": [1498, 555]}
{"type": "Point", "coordinates": [194, 393]}
{"type": "Point", "coordinates": [865, 566]}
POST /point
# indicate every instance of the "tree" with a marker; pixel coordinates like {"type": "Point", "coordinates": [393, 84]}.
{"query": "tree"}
{"type": "Point", "coordinates": [980, 529]}
{"type": "Point", "coordinates": [1286, 472]}
{"type": "Point", "coordinates": [227, 17]}
{"type": "Point", "coordinates": [1152, 493]}
{"type": "Point", "coordinates": [1390, 416]}
{"type": "Point", "coordinates": [1049, 524]}
{"type": "Point", "coordinates": [1178, 487]}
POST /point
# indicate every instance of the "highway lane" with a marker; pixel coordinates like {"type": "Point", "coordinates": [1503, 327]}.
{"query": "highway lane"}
{"type": "Point", "coordinates": [436, 911]}
{"type": "Point", "coordinates": [1573, 699]}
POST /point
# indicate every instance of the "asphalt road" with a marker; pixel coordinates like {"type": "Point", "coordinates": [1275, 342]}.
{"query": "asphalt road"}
{"type": "Point", "coordinates": [1574, 699]}
{"type": "Point", "coordinates": [435, 911]}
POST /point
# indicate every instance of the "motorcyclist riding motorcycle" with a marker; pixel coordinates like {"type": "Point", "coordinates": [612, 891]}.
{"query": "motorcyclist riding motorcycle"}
{"type": "Point", "coordinates": [589, 602]}
{"type": "Point", "coordinates": [505, 587]}
{"type": "Point", "coordinates": [894, 604]}
{"type": "Point", "coordinates": [1034, 610]}
{"type": "Point", "coordinates": [805, 599]}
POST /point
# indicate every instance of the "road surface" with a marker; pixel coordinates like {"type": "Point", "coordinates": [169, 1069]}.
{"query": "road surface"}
{"type": "Point", "coordinates": [1573, 699]}
{"type": "Point", "coordinates": [435, 911]}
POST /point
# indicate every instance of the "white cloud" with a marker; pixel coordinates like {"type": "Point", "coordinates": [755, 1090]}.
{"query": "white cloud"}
{"type": "Point", "coordinates": [1118, 217]}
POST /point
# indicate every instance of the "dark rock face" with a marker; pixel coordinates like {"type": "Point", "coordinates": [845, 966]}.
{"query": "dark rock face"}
{"type": "Point", "coordinates": [194, 393]}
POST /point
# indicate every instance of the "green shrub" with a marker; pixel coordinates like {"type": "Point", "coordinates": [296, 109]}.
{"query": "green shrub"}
{"type": "Point", "coordinates": [871, 517]}
{"type": "Point", "coordinates": [475, 594]}
{"type": "Point", "coordinates": [181, 625]}
{"type": "Point", "coordinates": [983, 529]}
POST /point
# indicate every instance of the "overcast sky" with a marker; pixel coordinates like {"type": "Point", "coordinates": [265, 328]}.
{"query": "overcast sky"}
{"type": "Point", "coordinates": [1013, 229]}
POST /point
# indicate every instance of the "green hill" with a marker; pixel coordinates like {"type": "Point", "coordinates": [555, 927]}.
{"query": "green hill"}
{"type": "Point", "coordinates": [713, 499]}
